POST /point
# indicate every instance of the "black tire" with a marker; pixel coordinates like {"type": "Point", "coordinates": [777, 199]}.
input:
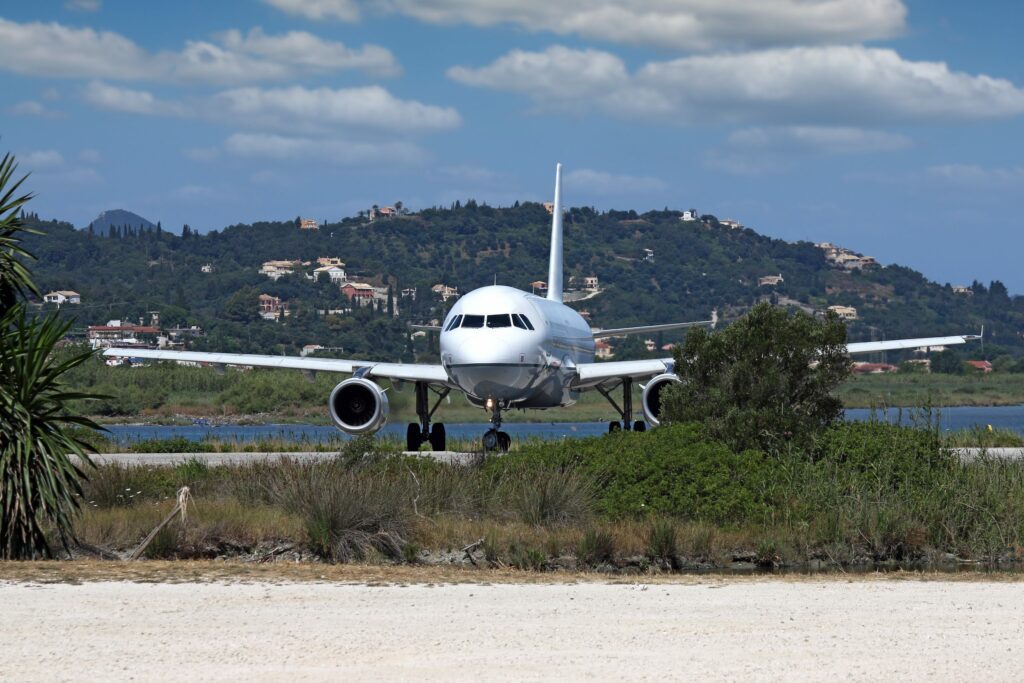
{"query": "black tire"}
{"type": "Point", "coordinates": [614, 426]}
{"type": "Point", "coordinates": [639, 426]}
{"type": "Point", "coordinates": [438, 441]}
{"type": "Point", "coordinates": [504, 442]}
{"type": "Point", "coordinates": [413, 438]}
{"type": "Point", "coordinates": [491, 440]}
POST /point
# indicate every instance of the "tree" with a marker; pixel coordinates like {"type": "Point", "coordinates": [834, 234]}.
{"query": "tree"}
{"type": "Point", "coordinates": [39, 476]}
{"type": "Point", "coordinates": [762, 382]}
{"type": "Point", "coordinates": [947, 362]}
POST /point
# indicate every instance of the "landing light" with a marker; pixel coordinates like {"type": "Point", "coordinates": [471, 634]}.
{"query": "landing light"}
{"type": "Point", "coordinates": [489, 404]}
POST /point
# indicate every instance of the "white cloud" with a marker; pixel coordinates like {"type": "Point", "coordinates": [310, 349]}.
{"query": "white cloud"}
{"type": "Point", "coordinates": [825, 139]}
{"type": "Point", "coordinates": [687, 25]}
{"type": "Point", "coordinates": [317, 111]}
{"type": "Point", "coordinates": [35, 109]}
{"type": "Point", "coordinates": [334, 151]}
{"type": "Point", "coordinates": [601, 182]}
{"type": "Point", "coordinates": [972, 175]}
{"type": "Point", "coordinates": [50, 94]}
{"type": "Point", "coordinates": [371, 107]}
{"type": "Point", "coordinates": [557, 77]}
{"type": "Point", "coordinates": [83, 5]}
{"type": "Point", "coordinates": [194, 194]}
{"type": "Point", "coordinates": [40, 159]}
{"type": "Point", "coordinates": [53, 49]}
{"type": "Point", "coordinates": [301, 49]}
{"type": "Point", "coordinates": [115, 98]}
{"type": "Point", "coordinates": [810, 85]}
{"type": "Point", "coordinates": [89, 156]}
{"type": "Point", "coordinates": [342, 10]}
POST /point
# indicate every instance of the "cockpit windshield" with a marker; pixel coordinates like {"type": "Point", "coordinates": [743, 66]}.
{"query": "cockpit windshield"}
{"type": "Point", "coordinates": [491, 321]}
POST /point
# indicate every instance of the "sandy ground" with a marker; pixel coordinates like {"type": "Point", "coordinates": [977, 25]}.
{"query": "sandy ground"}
{"type": "Point", "coordinates": [760, 629]}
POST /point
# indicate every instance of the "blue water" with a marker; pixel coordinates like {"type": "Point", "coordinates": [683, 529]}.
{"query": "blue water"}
{"type": "Point", "coordinates": [949, 419]}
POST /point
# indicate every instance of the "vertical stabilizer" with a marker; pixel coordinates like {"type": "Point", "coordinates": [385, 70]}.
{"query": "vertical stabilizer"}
{"type": "Point", "coordinates": [555, 263]}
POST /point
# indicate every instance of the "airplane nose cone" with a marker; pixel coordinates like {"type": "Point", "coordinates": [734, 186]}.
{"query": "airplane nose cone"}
{"type": "Point", "coordinates": [488, 367]}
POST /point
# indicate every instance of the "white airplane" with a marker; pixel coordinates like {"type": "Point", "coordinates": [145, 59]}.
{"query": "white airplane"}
{"type": "Point", "coordinates": [503, 348]}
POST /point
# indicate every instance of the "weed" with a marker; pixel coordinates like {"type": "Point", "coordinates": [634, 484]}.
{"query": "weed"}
{"type": "Point", "coordinates": [595, 548]}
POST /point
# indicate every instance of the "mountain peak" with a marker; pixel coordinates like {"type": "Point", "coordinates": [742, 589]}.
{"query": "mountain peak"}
{"type": "Point", "coordinates": [120, 217]}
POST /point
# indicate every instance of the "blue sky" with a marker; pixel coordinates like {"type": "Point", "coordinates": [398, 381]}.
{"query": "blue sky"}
{"type": "Point", "coordinates": [893, 128]}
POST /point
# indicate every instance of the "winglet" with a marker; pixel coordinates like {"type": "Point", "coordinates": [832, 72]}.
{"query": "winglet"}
{"type": "Point", "coordinates": [555, 263]}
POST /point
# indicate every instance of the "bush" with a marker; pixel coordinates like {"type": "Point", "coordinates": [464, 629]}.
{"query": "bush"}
{"type": "Point", "coordinates": [764, 382]}
{"type": "Point", "coordinates": [662, 541]}
{"type": "Point", "coordinates": [672, 470]}
{"type": "Point", "coordinates": [596, 547]}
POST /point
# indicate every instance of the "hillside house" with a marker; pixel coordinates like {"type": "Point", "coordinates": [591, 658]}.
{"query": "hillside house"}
{"type": "Point", "coordinates": [649, 255]}
{"type": "Point", "coordinates": [690, 215]}
{"type": "Point", "coordinates": [603, 349]}
{"type": "Point", "coordinates": [982, 366]}
{"type": "Point", "coordinates": [844, 312]}
{"type": "Point", "coordinates": [360, 292]}
{"type": "Point", "coordinates": [650, 344]}
{"type": "Point", "coordinates": [272, 308]}
{"type": "Point", "coordinates": [539, 287]}
{"type": "Point", "coordinates": [445, 291]}
{"type": "Point", "coordinates": [308, 224]}
{"type": "Point", "coordinates": [382, 212]}
{"type": "Point", "coordinates": [63, 296]}
{"type": "Point", "coordinates": [590, 283]}
{"type": "Point", "coordinates": [206, 268]}
{"type": "Point", "coordinates": [731, 224]}
{"type": "Point", "coordinates": [409, 293]}
{"type": "Point", "coordinates": [122, 334]}
{"type": "Point", "coordinates": [335, 273]}
{"type": "Point", "coordinates": [873, 368]}
{"type": "Point", "coordinates": [330, 261]}
{"type": "Point", "coordinates": [549, 207]}
{"type": "Point", "coordinates": [278, 269]}
{"type": "Point", "coordinates": [960, 289]}
{"type": "Point", "coordinates": [770, 280]}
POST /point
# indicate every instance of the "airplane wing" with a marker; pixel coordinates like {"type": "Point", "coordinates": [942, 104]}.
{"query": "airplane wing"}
{"type": "Point", "coordinates": [591, 374]}
{"type": "Point", "coordinates": [649, 329]}
{"type": "Point", "coordinates": [412, 372]}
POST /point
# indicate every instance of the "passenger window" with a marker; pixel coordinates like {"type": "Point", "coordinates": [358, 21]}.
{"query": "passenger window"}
{"type": "Point", "coordinates": [526, 320]}
{"type": "Point", "coordinates": [473, 321]}
{"type": "Point", "coordinates": [502, 320]}
{"type": "Point", "coordinates": [517, 320]}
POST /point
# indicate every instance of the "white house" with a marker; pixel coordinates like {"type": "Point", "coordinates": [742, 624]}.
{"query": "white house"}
{"type": "Point", "coordinates": [844, 312]}
{"type": "Point", "coordinates": [63, 296]}
{"type": "Point", "coordinates": [336, 273]}
{"type": "Point", "coordinates": [690, 215]}
{"type": "Point", "coordinates": [770, 280]}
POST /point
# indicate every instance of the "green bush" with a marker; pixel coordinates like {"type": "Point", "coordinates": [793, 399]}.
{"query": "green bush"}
{"type": "Point", "coordinates": [672, 470]}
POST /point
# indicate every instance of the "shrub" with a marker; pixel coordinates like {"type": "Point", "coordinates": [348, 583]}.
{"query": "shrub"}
{"type": "Point", "coordinates": [596, 547]}
{"type": "Point", "coordinates": [662, 541]}
{"type": "Point", "coordinates": [764, 382]}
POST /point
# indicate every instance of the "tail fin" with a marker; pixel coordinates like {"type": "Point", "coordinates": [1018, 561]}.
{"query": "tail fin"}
{"type": "Point", "coordinates": [555, 264]}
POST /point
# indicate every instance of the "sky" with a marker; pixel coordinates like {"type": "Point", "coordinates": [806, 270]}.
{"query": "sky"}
{"type": "Point", "coordinates": [890, 127]}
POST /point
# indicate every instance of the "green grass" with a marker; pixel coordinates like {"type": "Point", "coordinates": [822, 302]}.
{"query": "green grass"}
{"type": "Point", "coordinates": [868, 492]}
{"type": "Point", "coordinates": [909, 390]}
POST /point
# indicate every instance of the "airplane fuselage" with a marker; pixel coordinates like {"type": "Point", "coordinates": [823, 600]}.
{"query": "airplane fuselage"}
{"type": "Point", "coordinates": [514, 348]}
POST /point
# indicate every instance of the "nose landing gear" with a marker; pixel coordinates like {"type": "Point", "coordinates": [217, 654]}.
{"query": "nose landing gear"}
{"type": "Point", "coordinates": [423, 432]}
{"type": "Point", "coordinates": [494, 438]}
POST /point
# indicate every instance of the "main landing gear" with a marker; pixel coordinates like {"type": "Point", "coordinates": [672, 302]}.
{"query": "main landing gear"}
{"type": "Point", "coordinates": [494, 438]}
{"type": "Point", "coordinates": [626, 411]}
{"type": "Point", "coordinates": [419, 434]}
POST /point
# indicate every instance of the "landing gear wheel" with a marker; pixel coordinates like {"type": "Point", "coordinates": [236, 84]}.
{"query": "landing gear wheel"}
{"type": "Point", "coordinates": [639, 426]}
{"type": "Point", "coordinates": [504, 442]}
{"type": "Point", "coordinates": [413, 437]}
{"type": "Point", "coordinates": [437, 437]}
{"type": "Point", "coordinates": [491, 440]}
{"type": "Point", "coordinates": [614, 426]}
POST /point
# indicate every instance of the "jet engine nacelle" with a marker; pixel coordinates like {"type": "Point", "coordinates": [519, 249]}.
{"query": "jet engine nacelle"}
{"type": "Point", "coordinates": [358, 406]}
{"type": "Point", "coordinates": [651, 398]}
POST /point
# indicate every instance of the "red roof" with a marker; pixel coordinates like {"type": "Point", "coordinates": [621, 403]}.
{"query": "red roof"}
{"type": "Point", "coordinates": [980, 365]}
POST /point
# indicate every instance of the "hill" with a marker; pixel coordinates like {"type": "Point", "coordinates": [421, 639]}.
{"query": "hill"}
{"type": "Point", "coordinates": [651, 268]}
{"type": "Point", "coordinates": [119, 218]}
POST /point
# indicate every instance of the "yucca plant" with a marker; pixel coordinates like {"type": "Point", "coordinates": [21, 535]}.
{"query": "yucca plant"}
{"type": "Point", "coordinates": [39, 475]}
